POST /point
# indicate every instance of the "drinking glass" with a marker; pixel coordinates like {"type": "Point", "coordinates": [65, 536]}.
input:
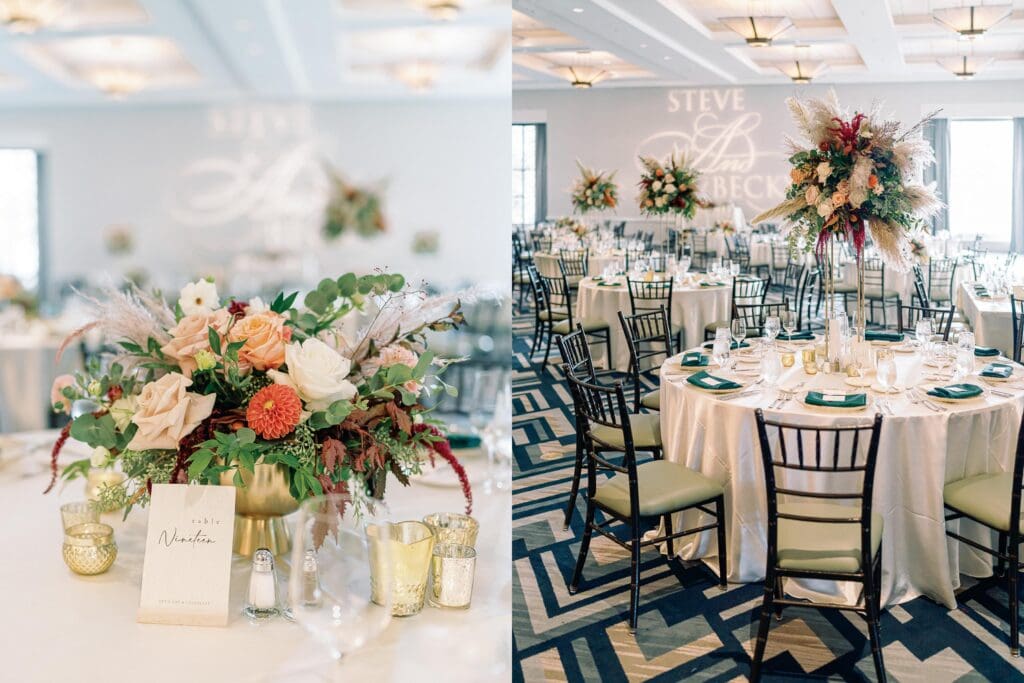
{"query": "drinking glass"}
{"type": "Point", "coordinates": [788, 319]}
{"type": "Point", "coordinates": [485, 383]}
{"type": "Point", "coordinates": [684, 264]}
{"type": "Point", "coordinates": [772, 325]}
{"type": "Point", "coordinates": [739, 330]}
{"type": "Point", "coordinates": [734, 268]}
{"type": "Point", "coordinates": [965, 341]}
{"type": "Point", "coordinates": [720, 349]}
{"type": "Point", "coordinates": [943, 354]}
{"type": "Point", "coordinates": [885, 369]}
{"type": "Point", "coordinates": [923, 331]}
{"type": "Point", "coordinates": [771, 368]}
{"type": "Point", "coordinates": [81, 512]}
{"type": "Point", "coordinates": [964, 363]}
{"type": "Point", "coordinates": [352, 546]}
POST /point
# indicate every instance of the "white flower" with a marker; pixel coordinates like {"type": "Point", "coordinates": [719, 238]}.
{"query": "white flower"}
{"type": "Point", "coordinates": [656, 185]}
{"type": "Point", "coordinates": [825, 207]}
{"type": "Point", "coordinates": [122, 410]}
{"type": "Point", "coordinates": [99, 457]}
{"type": "Point", "coordinates": [256, 305]}
{"type": "Point", "coordinates": [660, 201]}
{"type": "Point", "coordinates": [879, 189]}
{"type": "Point", "coordinates": [317, 373]}
{"type": "Point", "coordinates": [824, 170]}
{"type": "Point", "coordinates": [670, 188]}
{"type": "Point", "coordinates": [811, 195]}
{"type": "Point", "coordinates": [198, 297]}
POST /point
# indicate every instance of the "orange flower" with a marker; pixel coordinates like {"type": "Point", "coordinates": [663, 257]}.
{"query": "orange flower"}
{"type": "Point", "coordinates": [797, 175]}
{"type": "Point", "coordinates": [265, 335]}
{"type": "Point", "coordinates": [274, 411]}
{"type": "Point", "coordinates": [872, 181]}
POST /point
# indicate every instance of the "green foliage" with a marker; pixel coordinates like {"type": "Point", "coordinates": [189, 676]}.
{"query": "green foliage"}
{"type": "Point", "coordinates": [223, 452]}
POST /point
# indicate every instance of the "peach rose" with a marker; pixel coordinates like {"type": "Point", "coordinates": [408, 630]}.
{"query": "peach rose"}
{"type": "Point", "coordinates": [397, 354]}
{"type": "Point", "coordinates": [265, 336]}
{"type": "Point", "coordinates": [55, 392]}
{"type": "Point", "coordinates": [811, 195]}
{"type": "Point", "coordinates": [167, 412]}
{"type": "Point", "coordinates": [797, 175]}
{"type": "Point", "coordinates": [191, 335]}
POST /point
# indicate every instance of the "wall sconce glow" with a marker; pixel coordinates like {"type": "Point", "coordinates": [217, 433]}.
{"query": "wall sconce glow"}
{"type": "Point", "coordinates": [442, 10]}
{"type": "Point", "coordinates": [418, 76]}
{"type": "Point", "coordinates": [758, 31]}
{"type": "Point", "coordinates": [28, 16]}
{"type": "Point", "coordinates": [118, 81]}
{"type": "Point", "coordinates": [973, 20]}
{"type": "Point", "coordinates": [582, 76]}
{"type": "Point", "coordinates": [963, 67]}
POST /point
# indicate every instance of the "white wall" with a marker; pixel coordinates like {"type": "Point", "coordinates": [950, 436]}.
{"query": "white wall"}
{"type": "Point", "coordinates": [736, 135]}
{"type": "Point", "coordinates": [201, 184]}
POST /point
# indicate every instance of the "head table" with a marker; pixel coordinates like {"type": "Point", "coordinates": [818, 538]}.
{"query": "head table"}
{"type": "Point", "coordinates": [989, 316]}
{"type": "Point", "coordinates": [920, 450]}
{"type": "Point", "coordinates": [65, 627]}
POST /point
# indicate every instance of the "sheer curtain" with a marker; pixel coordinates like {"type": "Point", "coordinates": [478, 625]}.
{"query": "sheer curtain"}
{"type": "Point", "coordinates": [1017, 233]}
{"type": "Point", "coordinates": [937, 133]}
{"type": "Point", "coordinates": [541, 171]}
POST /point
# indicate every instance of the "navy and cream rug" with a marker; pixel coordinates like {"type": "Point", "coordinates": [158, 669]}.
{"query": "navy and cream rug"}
{"type": "Point", "coordinates": [689, 630]}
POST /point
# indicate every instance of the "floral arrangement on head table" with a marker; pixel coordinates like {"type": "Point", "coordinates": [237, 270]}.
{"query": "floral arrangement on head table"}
{"type": "Point", "coordinates": [207, 390]}
{"type": "Point", "coordinates": [859, 170]}
{"type": "Point", "coordinates": [594, 190]}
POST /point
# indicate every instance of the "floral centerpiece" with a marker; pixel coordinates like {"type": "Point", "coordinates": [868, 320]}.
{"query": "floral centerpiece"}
{"type": "Point", "coordinates": [855, 177]}
{"type": "Point", "coordinates": [669, 188]}
{"type": "Point", "coordinates": [726, 227]}
{"type": "Point", "coordinates": [352, 208]}
{"type": "Point", "coordinates": [207, 392]}
{"type": "Point", "coordinates": [570, 224]}
{"type": "Point", "coordinates": [594, 191]}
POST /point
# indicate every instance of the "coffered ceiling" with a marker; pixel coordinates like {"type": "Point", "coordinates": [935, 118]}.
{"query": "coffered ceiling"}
{"type": "Point", "coordinates": [144, 51]}
{"type": "Point", "coordinates": [691, 42]}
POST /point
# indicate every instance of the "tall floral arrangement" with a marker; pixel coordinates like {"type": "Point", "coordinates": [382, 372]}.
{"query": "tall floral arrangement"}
{"type": "Point", "coordinates": [210, 388]}
{"type": "Point", "coordinates": [853, 174]}
{"type": "Point", "coordinates": [669, 188]}
{"type": "Point", "coordinates": [352, 209]}
{"type": "Point", "coordinates": [594, 190]}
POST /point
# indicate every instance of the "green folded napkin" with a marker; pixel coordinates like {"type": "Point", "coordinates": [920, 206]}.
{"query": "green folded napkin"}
{"type": "Point", "coordinates": [607, 284]}
{"type": "Point", "coordinates": [805, 335]}
{"type": "Point", "coordinates": [597, 278]}
{"type": "Point", "coordinates": [956, 391]}
{"type": "Point", "coordinates": [881, 335]}
{"type": "Point", "coordinates": [818, 398]}
{"type": "Point", "coordinates": [712, 284]}
{"type": "Point", "coordinates": [997, 370]}
{"type": "Point", "coordinates": [458, 441]}
{"type": "Point", "coordinates": [985, 351]}
{"type": "Point", "coordinates": [694, 359]}
{"type": "Point", "coordinates": [981, 290]}
{"type": "Point", "coordinates": [732, 347]}
{"type": "Point", "coordinates": [705, 381]}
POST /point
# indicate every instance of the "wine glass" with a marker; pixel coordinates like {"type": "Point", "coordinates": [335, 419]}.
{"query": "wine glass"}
{"type": "Point", "coordinates": [771, 368]}
{"type": "Point", "coordinates": [885, 369]}
{"type": "Point", "coordinates": [498, 439]}
{"type": "Point", "coordinates": [772, 325]}
{"type": "Point", "coordinates": [734, 268]}
{"type": "Point", "coordinates": [350, 604]}
{"type": "Point", "coordinates": [739, 330]}
{"type": "Point", "coordinates": [923, 331]}
{"type": "Point", "coordinates": [964, 363]}
{"type": "Point", "coordinates": [485, 386]}
{"type": "Point", "coordinates": [720, 348]}
{"type": "Point", "coordinates": [788, 319]}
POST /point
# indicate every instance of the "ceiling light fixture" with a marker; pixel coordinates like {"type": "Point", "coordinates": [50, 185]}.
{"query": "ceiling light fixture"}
{"type": "Point", "coordinates": [28, 16]}
{"type": "Point", "coordinates": [419, 76]}
{"type": "Point", "coordinates": [582, 76]}
{"type": "Point", "coordinates": [802, 69]}
{"type": "Point", "coordinates": [118, 81]}
{"type": "Point", "coordinates": [758, 31]}
{"type": "Point", "coordinates": [973, 20]}
{"type": "Point", "coordinates": [964, 67]}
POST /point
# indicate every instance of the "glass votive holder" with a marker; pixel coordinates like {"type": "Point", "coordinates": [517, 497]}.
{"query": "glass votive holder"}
{"type": "Point", "coordinates": [89, 548]}
{"type": "Point", "coordinates": [452, 569]}
{"type": "Point", "coordinates": [411, 546]}
{"type": "Point", "coordinates": [452, 527]}
{"type": "Point", "coordinates": [810, 361]}
{"type": "Point", "coordinates": [98, 479]}
{"type": "Point", "coordinates": [79, 512]}
{"type": "Point", "coordinates": [788, 358]}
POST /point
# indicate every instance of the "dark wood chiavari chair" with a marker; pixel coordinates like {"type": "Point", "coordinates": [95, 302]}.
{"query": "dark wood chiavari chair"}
{"type": "Point", "coordinates": [1017, 320]}
{"type": "Point", "coordinates": [874, 289]}
{"type": "Point", "coordinates": [574, 263]}
{"type": "Point", "coordinates": [648, 336]}
{"type": "Point", "coordinates": [942, 318]}
{"type": "Point", "coordinates": [920, 296]}
{"type": "Point", "coordinates": [745, 291]}
{"type": "Point", "coordinates": [560, 299]}
{"type": "Point", "coordinates": [941, 276]}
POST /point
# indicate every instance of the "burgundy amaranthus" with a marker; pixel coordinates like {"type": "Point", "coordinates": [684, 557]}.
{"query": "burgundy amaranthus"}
{"type": "Point", "coordinates": [444, 449]}
{"type": "Point", "coordinates": [57, 445]}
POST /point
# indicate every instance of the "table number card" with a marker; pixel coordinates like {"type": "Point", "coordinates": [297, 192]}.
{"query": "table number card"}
{"type": "Point", "coordinates": [186, 575]}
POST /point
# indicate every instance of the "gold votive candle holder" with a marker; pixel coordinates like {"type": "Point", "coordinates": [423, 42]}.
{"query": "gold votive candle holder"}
{"type": "Point", "coordinates": [788, 358]}
{"type": "Point", "coordinates": [452, 527]}
{"type": "Point", "coordinates": [453, 567]}
{"type": "Point", "coordinates": [89, 548]}
{"type": "Point", "coordinates": [98, 479]}
{"type": "Point", "coordinates": [411, 544]}
{"type": "Point", "coordinates": [808, 356]}
{"type": "Point", "coordinates": [79, 512]}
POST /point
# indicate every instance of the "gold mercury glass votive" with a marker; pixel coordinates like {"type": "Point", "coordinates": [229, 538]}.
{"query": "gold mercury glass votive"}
{"type": "Point", "coordinates": [788, 358]}
{"type": "Point", "coordinates": [809, 360]}
{"type": "Point", "coordinates": [79, 512]}
{"type": "Point", "coordinates": [452, 569]}
{"type": "Point", "coordinates": [411, 546]}
{"type": "Point", "coordinates": [98, 479]}
{"type": "Point", "coordinates": [89, 548]}
{"type": "Point", "coordinates": [452, 527]}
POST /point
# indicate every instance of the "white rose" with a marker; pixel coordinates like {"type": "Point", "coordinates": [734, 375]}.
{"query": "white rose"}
{"type": "Point", "coordinates": [99, 457]}
{"type": "Point", "coordinates": [670, 188]}
{"type": "Point", "coordinates": [198, 297]}
{"type": "Point", "coordinates": [659, 202]}
{"type": "Point", "coordinates": [824, 170]}
{"type": "Point", "coordinates": [122, 410]}
{"type": "Point", "coordinates": [317, 373]}
{"type": "Point", "coordinates": [811, 195]}
{"type": "Point", "coordinates": [656, 185]}
{"type": "Point", "coordinates": [825, 207]}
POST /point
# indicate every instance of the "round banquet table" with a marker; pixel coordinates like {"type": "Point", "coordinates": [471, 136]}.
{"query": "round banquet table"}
{"type": "Point", "coordinates": [27, 369]}
{"type": "Point", "coordinates": [919, 451]}
{"type": "Point", "coordinates": [693, 307]}
{"type": "Point", "coordinates": [95, 615]}
{"type": "Point", "coordinates": [547, 262]}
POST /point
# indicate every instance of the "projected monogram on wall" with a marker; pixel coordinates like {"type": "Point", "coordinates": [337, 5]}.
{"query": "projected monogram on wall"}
{"type": "Point", "coordinates": [719, 137]}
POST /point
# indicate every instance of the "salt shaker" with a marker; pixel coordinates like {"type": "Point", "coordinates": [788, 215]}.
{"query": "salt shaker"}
{"type": "Point", "coordinates": [261, 602]}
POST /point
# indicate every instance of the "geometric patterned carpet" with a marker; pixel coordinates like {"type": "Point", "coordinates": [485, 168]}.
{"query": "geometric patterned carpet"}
{"type": "Point", "coordinates": [689, 629]}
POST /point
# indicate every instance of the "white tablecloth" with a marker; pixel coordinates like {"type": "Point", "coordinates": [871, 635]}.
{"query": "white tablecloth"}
{"type": "Point", "coordinates": [64, 627]}
{"type": "Point", "coordinates": [919, 451]}
{"type": "Point", "coordinates": [547, 263]}
{"type": "Point", "coordinates": [990, 319]}
{"type": "Point", "coordinates": [692, 307]}
{"type": "Point", "coordinates": [27, 370]}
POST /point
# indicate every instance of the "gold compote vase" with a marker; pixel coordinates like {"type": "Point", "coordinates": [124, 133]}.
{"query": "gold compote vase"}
{"type": "Point", "coordinates": [260, 507]}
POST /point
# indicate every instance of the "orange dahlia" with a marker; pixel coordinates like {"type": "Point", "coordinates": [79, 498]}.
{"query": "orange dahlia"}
{"type": "Point", "coordinates": [274, 411]}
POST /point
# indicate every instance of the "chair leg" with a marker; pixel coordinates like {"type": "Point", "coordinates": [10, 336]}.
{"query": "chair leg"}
{"type": "Point", "coordinates": [547, 351]}
{"type": "Point", "coordinates": [608, 345]}
{"type": "Point", "coordinates": [871, 600]}
{"type": "Point", "coordinates": [723, 547]}
{"type": "Point", "coordinates": [1014, 598]}
{"type": "Point", "coordinates": [778, 596]}
{"type": "Point", "coordinates": [536, 337]}
{"type": "Point", "coordinates": [670, 543]}
{"type": "Point", "coordinates": [634, 577]}
{"type": "Point", "coordinates": [762, 628]}
{"type": "Point", "coordinates": [584, 549]}
{"type": "Point", "coordinates": [574, 491]}
{"type": "Point", "coordinates": [1001, 563]}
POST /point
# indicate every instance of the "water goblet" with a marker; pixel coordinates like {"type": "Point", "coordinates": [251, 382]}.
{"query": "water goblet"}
{"type": "Point", "coordinates": [734, 268]}
{"type": "Point", "coordinates": [771, 368]}
{"type": "Point", "coordinates": [739, 330]}
{"type": "Point", "coordinates": [772, 325]}
{"type": "Point", "coordinates": [923, 331]}
{"type": "Point", "coordinates": [885, 369]}
{"type": "Point", "coordinates": [788, 320]}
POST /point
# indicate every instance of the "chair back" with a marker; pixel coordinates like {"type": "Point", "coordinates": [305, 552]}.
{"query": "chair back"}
{"type": "Point", "coordinates": [739, 251]}
{"type": "Point", "coordinates": [1017, 320]}
{"type": "Point", "coordinates": [633, 255]}
{"type": "Point", "coordinates": [575, 351]}
{"type": "Point", "coordinates": [541, 301]}
{"type": "Point", "coordinates": [573, 263]}
{"type": "Point", "coordinates": [805, 295]}
{"type": "Point", "coordinates": [541, 243]}
{"type": "Point", "coordinates": [650, 296]}
{"type": "Point", "coordinates": [780, 255]}
{"type": "Point", "coordinates": [942, 318]}
{"type": "Point", "coordinates": [648, 335]}
{"type": "Point", "coordinates": [941, 274]}
{"type": "Point", "coordinates": [834, 455]}
{"type": "Point", "coordinates": [754, 315]}
{"type": "Point", "coordinates": [920, 291]}
{"type": "Point", "coordinates": [559, 295]}
{"type": "Point", "coordinates": [749, 290]}
{"type": "Point", "coordinates": [699, 240]}
{"type": "Point", "coordinates": [874, 276]}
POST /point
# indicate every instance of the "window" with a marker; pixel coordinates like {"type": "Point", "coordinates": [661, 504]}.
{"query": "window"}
{"type": "Point", "coordinates": [19, 215]}
{"type": "Point", "coordinates": [981, 179]}
{"type": "Point", "coordinates": [527, 174]}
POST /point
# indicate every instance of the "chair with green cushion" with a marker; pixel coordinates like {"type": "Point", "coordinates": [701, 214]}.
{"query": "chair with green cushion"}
{"type": "Point", "coordinates": [907, 317]}
{"type": "Point", "coordinates": [994, 500]}
{"type": "Point", "coordinates": [573, 263]}
{"type": "Point", "coordinates": [648, 335]}
{"type": "Point", "coordinates": [560, 300]}
{"type": "Point", "coordinates": [636, 493]}
{"type": "Point", "coordinates": [647, 297]}
{"type": "Point", "coordinates": [1017, 320]}
{"type": "Point", "coordinates": [520, 260]}
{"type": "Point", "coordinates": [810, 534]}
{"type": "Point", "coordinates": [543, 316]}
{"type": "Point", "coordinates": [745, 291]}
{"type": "Point", "coordinates": [941, 277]}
